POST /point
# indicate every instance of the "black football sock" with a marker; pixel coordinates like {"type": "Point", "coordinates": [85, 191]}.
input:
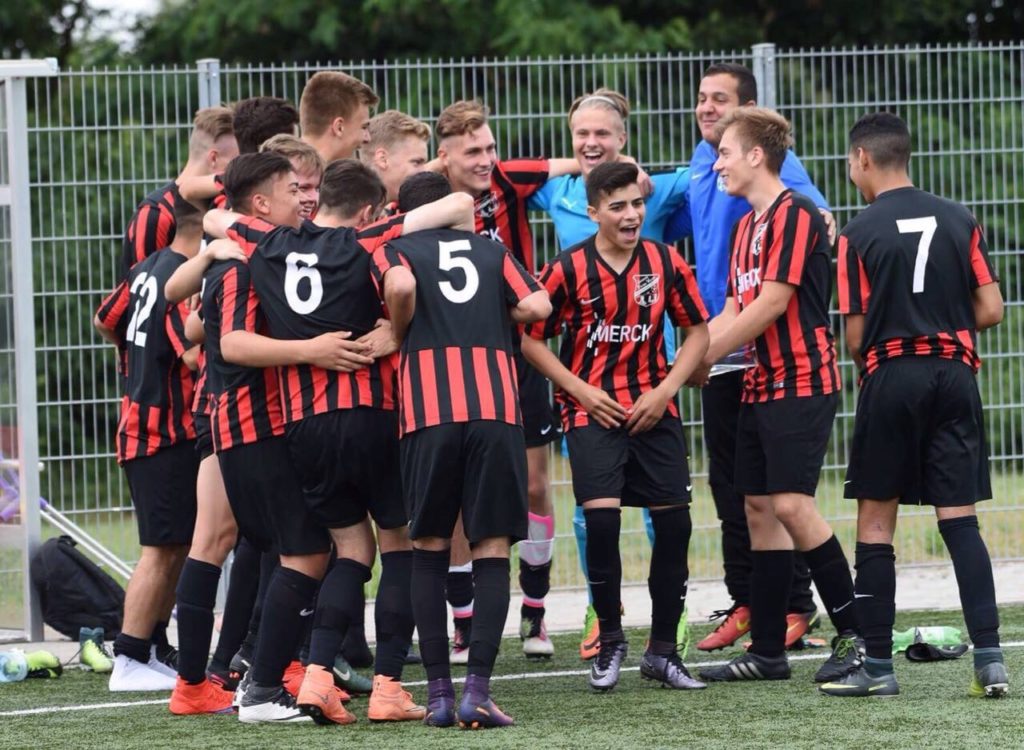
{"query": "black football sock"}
{"type": "Point", "coordinates": [973, 570]}
{"type": "Point", "coordinates": [429, 571]}
{"type": "Point", "coordinates": [800, 597]}
{"type": "Point", "coordinates": [243, 585]}
{"type": "Point", "coordinates": [159, 637]}
{"type": "Point", "coordinates": [392, 613]}
{"type": "Point", "coordinates": [459, 590]}
{"type": "Point", "coordinates": [604, 569]}
{"type": "Point", "coordinates": [769, 597]}
{"type": "Point", "coordinates": [197, 595]}
{"type": "Point", "coordinates": [269, 563]}
{"type": "Point", "coordinates": [668, 575]}
{"type": "Point", "coordinates": [491, 590]}
{"type": "Point", "coordinates": [133, 648]}
{"type": "Point", "coordinates": [340, 596]}
{"type": "Point", "coordinates": [832, 578]}
{"type": "Point", "coordinates": [876, 597]}
{"type": "Point", "coordinates": [288, 602]}
{"type": "Point", "coordinates": [534, 582]}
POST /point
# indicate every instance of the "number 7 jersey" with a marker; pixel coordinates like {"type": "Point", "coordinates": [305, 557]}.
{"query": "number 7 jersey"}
{"type": "Point", "coordinates": [910, 263]}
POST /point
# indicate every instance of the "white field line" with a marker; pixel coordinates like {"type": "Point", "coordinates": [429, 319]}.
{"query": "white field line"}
{"type": "Point", "coordinates": [417, 683]}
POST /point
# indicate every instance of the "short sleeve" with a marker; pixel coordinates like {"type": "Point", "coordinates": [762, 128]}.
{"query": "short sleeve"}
{"type": "Point", "coordinates": [248, 231]}
{"type": "Point", "coordinates": [527, 176]}
{"type": "Point", "coordinates": [519, 284]}
{"type": "Point", "coordinates": [552, 278]}
{"type": "Point", "coordinates": [378, 233]}
{"type": "Point", "coordinates": [982, 271]}
{"type": "Point", "coordinates": [792, 238]}
{"type": "Point", "coordinates": [384, 259]}
{"type": "Point", "coordinates": [175, 325]}
{"type": "Point", "coordinates": [238, 302]}
{"type": "Point", "coordinates": [686, 307]}
{"type": "Point", "coordinates": [112, 309]}
{"type": "Point", "coordinates": [853, 285]}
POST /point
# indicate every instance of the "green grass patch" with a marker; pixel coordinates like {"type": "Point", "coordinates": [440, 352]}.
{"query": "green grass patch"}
{"type": "Point", "coordinates": [561, 712]}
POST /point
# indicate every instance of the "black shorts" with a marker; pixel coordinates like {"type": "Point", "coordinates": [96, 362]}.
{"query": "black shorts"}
{"type": "Point", "coordinates": [204, 438]}
{"type": "Point", "coordinates": [476, 467]}
{"type": "Point", "coordinates": [541, 423]}
{"type": "Point", "coordinates": [780, 445]}
{"type": "Point", "coordinates": [347, 461]}
{"type": "Point", "coordinates": [919, 435]}
{"type": "Point", "coordinates": [266, 498]}
{"type": "Point", "coordinates": [163, 489]}
{"type": "Point", "coordinates": [641, 470]}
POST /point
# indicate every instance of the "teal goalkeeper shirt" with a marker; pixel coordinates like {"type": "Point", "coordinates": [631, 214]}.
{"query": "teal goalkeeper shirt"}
{"type": "Point", "coordinates": [565, 201]}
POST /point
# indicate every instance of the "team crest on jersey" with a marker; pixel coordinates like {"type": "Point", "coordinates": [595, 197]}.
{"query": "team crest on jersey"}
{"type": "Point", "coordinates": [758, 239]}
{"type": "Point", "coordinates": [487, 205]}
{"type": "Point", "coordinates": [647, 288]}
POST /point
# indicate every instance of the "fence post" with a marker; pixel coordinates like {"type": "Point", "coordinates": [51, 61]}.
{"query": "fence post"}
{"type": "Point", "coordinates": [764, 72]}
{"type": "Point", "coordinates": [13, 75]}
{"type": "Point", "coordinates": [209, 82]}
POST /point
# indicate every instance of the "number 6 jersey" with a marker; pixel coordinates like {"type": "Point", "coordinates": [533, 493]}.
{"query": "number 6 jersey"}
{"type": "Point", "coordinates": [155, 405]}
{"type": "Point", "coordinates": [314, 280]}
{"type": "Point", "coordinates": [910, 263]}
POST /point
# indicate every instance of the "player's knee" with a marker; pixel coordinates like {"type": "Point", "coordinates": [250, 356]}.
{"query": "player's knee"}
{"type": "Point", "coordinates": [497, 546]}
{"type": "Point", "coordinates": [313, 566]}
{"type": "Point", "coordinates": [792, 510]}
{"type": "Point", "coordinates": [394, 540]}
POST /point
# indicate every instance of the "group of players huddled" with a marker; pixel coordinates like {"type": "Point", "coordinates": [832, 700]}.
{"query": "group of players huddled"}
{"type": "Point", "coordinates": [331, 347]}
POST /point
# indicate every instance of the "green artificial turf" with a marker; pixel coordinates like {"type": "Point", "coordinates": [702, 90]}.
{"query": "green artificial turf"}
{"type": "Point", "coordinates": [555, 710]}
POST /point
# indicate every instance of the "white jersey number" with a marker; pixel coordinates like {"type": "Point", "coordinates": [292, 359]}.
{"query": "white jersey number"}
{"type": "Point", "coordinates": [296, 273]}
{"type": "Point", "coordinates": [144, 289]}
{"type": "Point", "coordinates": [448, 262]}
{"type": "Point", "coordinates": [926, 226]}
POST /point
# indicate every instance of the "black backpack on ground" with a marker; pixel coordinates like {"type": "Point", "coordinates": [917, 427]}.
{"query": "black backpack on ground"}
{"type": "Point", "coordinates": [74, 592]}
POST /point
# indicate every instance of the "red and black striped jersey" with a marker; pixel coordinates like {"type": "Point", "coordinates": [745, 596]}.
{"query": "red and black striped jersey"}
{"type": "Point", "coordinates": [155, 405]}
{"type": "Point", "coordinates": [151, 226]}
{"type": "Point", "coordinates": [316, 280]}
{"type": "Point", "coordinates": [612, 323]}
{"type": "Point", "coordinates": [201, 402]}
{"type": "Point", "coordinates": [456, 361]}
{"type": "Point", "coordinates": [910, 263]}
{"type": "Point", "coordinates": [246, 405]}
{"type": "Point", "coordinates": [501, 213]}
{"type": "Point", "coordinates": [796, 354]}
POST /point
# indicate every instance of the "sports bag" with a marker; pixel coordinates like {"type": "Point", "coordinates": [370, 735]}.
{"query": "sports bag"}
{"type": "Point", "coordinates": [74, 592]}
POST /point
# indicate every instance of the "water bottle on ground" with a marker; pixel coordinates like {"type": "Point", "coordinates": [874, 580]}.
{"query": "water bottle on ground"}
{"type": "Point", "coordinates": [13, 667]}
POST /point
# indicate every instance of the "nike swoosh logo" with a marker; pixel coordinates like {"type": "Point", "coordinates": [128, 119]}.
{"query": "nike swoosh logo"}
{"type": "Point", "coordinates": [873, 688]}
{"type": "Point", "coordinates": [847, 481]}
{"type": "Point", "coordinates": [697, 175]}
{"type": "Point", "coordinates": [589, 301]}
{"type": "Point", "coordinates": [343, 676]}
{"type": "Point", "coordinates": [545, 430]}
{"type": "Point", "coordinates": [306, 612]}
{"type": "Point", "coordinates": [837, 610]}
{"type": "Point", "coordinates": [863, 596]}
{"type": "Point", "coordinates": [742, 624]}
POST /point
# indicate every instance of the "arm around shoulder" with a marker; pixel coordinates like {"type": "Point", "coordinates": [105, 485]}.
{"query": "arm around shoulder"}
{"type": "Point", "coordinates": [533, 308]}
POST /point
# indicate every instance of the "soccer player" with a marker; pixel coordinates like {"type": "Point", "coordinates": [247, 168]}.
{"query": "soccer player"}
{"type": "Point", "coordinates": [598, 125]}
{"type": "Point", "coordinates": [396, 149]}
{"type": "Point", "coordinates": [155, 445]}
{"type": "Point", "coordinates": [248, 432]}
{"type": "Point", "coordinates": [342, 427]}
{"type": "Point", "coordinates": [468, 157]}
{"type": "Point", "coordinates": [915, 285]}
{"type": "Point", "coordinates": [708, 216]}
{"type": "Point", "coordinates": [211, 147]}
{"type": "Point", "coordinates": [308, 166]}
{"type": "Point", "coordinates": [779, 290]}
{"type": "Point", "coordinates": [334, 114]}
{"type": "Point", "coordinates": [452, 296]}
{"type": "Point", "coordinates": [610, 294]}
{"type": "Point", "coordinates": [261, 117]}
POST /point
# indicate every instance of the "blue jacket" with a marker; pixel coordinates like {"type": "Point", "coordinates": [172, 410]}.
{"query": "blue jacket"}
{"type": "Point", "coordinates": [709, 214]}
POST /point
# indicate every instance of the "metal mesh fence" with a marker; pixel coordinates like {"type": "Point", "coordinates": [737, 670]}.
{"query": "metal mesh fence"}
{"type": "Point", "coordinates": [101, 139]}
